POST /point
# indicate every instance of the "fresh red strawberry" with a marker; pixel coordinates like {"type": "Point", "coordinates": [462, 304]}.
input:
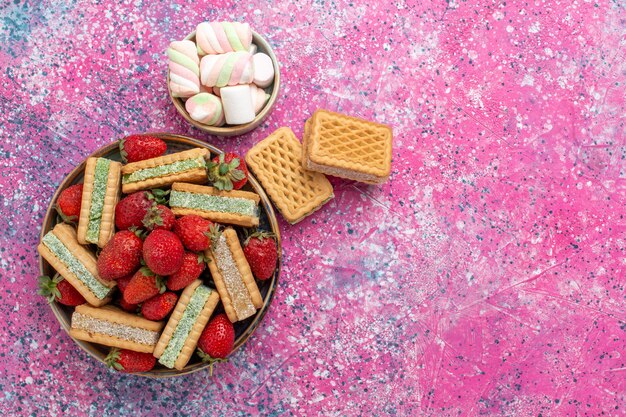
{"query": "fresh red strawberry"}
{"type": "Point", "coordinates": [159, 217]}
{"type": "Point", "coordinates": [122, 283]}
{"type": "Point", "coordinates": [261, 253]}
{"type": "Point", "coordinates": [60, 290]}
{"type": "Point", "coordinates": [159, 306]}
{"type": "Point", "coordinates": [130, 361]}
{"type": "Point", "coordinates": [135, 148]}
{"type": "Point", "coordinates": [216, 341]}
{"type": "Point", "coordinates": [143, 286]}
{"type": "Point", "coordinates": [228, 171]}
{"type": "Point", "coordinates": [69, 202]}
{"type": "Point", "coordinates": [138, 208]}
{"type": "Point", "coordinates": [131, 210]}
{"type": "Point", "coordinates": [195, 232]}
{"type": "Point", "coordinates": [218, 337]}
{"type": "Point", "coordinates": [121, 256]}
{"type": "Point", "coordinates": [131, 308]}
{"type": "Point", "coordinates": [163, 252]}
{"type": "Point", "coordinates": [192, 267]}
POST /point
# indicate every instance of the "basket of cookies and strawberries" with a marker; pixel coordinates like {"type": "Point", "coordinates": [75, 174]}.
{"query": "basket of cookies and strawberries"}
{"type": "Point", "coordinates": [160, 254]}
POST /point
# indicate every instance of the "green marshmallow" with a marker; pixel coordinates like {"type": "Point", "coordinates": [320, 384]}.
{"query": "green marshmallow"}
{"type": "Point", "coordinates": [233, 38]}
{"type": "Point", "coordinates": [183, 60]}
{"type": "Point", "coordinates": [227, 70]}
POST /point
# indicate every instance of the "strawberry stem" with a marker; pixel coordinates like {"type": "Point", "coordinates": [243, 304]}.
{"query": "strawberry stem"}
{"type": "Point", "coordinates": [160, 284]}
{"type": "Point", "coordinates": [123, 152]}
{"type": "Point", "coordinates": [223, 174]}
{"type": "Point", "coordinates": [48, 287]}
{"type": "Point", "coordinates": [203, 258]}
{"type": "Point", "coordinates": [112, 360]}
{"type": "Point", "coordinates": [159, 196]}
{"type": "Point", "coordinates": [153, 217]}
{"type": "Point", "coordinates": [211, 361]}
{"type": "Point", "coordinates": [214, 234]}
{"type": "Point", "coordinates": [146, 271]}
{"type": "Point", "coordinates": [260, 234]}
{"type": "Point", "coordinates": [223, 169]}
{"type": "Point", "coordinates": [64, 218]}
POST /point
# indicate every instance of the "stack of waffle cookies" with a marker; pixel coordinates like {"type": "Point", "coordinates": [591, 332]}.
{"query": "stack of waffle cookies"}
{"type": "Point", "coordinates": [293, 174]}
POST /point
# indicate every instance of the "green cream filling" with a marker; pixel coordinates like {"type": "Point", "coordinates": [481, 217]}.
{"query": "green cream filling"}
{"type": "Point", "coordinates": [161, 170]}
{"type": "Point", "coordinates": [60, 251]}
{"type": "Point", "coordinates": [207, 202]}
{"type": "Point", "coordinates": [101, 178]}
{"type": "Point", "coordinates": [233, 38]}
{"type": "Point", "coordinates": [184, 326]}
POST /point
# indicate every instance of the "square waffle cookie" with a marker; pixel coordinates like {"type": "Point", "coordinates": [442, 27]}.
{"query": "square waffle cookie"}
{"type": "Point", "coordinates": [276, 162]}
{"type": "Point", "coordinates": [347, 147]}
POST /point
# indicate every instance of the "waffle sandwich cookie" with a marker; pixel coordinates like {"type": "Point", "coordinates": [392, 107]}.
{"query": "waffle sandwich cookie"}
{"type": "Point", "coordinates": [96, 222]}
{"type": "Point", "coordinates": [187, 166]}
{"type": "Point", "coordinates": [347, 147]}
{"type": "Point", "coordinates": [230, 207]}
{"type": "Point", "coordinates": [191, 314]}
{"type": "Point", "coordinates": [233, 278]}
{"type": "Point", "coordinates": [112, 327]}
{"type": "Point", "coordinates": [277, 163]}
{"type": "Point", "coordinates": [60, 248]}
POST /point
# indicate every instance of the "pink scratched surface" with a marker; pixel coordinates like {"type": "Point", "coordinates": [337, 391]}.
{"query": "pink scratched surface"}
{"type": "Point", "coordinates": [485, 278]}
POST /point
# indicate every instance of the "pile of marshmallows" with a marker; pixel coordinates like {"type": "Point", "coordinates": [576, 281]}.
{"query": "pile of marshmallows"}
{"type": "Point", "coordinates": [221, 75]}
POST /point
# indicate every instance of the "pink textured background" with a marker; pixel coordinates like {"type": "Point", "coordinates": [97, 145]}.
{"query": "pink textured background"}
{"type": "Point", "coordinates": [485, 278]}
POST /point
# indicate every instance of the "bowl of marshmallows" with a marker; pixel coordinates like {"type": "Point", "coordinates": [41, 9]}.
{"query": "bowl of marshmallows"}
{"type": "Point", "coordinates": [223, 78]}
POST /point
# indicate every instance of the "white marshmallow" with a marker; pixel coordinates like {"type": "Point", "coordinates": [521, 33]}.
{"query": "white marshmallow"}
{"type": "Point", "coordinates": [237, 103]}
{"type": "Point", "coordinates": [252, 49]}
{"type": "Point", "coordinates": [263, 70]}
{"type": "Point", "coordinates": [259, 98]}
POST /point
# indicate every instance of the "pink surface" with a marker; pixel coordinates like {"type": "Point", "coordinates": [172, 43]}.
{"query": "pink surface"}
{"type": "Point", "coordinates": [485, 278]}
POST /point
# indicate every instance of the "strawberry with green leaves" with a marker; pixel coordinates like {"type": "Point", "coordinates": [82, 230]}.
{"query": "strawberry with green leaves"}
{"type": "Point", "coordinates": [216, 341]}
{"type": "Point", "coordinates": [135, 148]}
{"type": "Point", "coordinates": [69, 203]}
{"type": "Point", "coordinates": [144, 285]}
{"type": "Point", "coordinates": [228, 171]}
{"type": "Point", "coordinates": [121, 256]}
{"type": "Point", "coordinates": [163, 252]}
{"type": "Point", "coordinates": [130, 361]}
{"type": "Point", "coordinates": [159, 217]}
{"type": "Point", "coordinates": [159, 306]}
{"type": "Point", "coordinates": [58, 289]}
{"type": "Point", "coordinates": [261, 253]}
{"type": "Point", "coordinates": [133, 210]}
{"type": "Point", "coordinates": [192, 267]}
{"type": "Point", "coordinates": [195, 232]}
